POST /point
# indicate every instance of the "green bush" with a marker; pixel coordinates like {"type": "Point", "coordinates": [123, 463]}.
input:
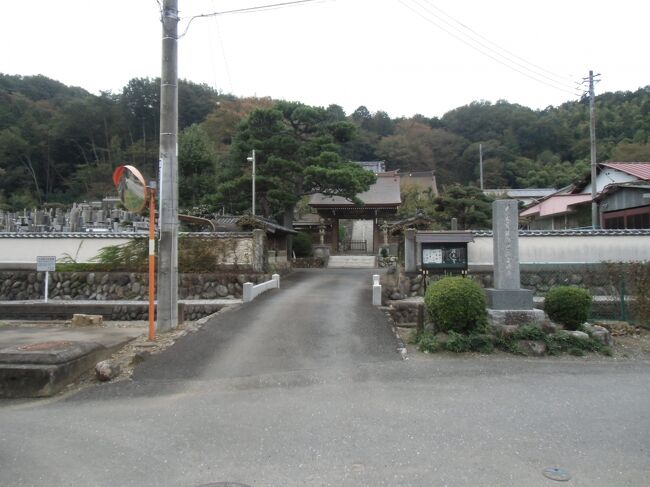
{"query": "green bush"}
{"type": "Point", "coordinates": [427, 342]}
{"type": "Point", "coordinates": [302, 244]}
{"type": "Point", "coordinates": [456, 304]}
{"type": "Point", "coordinates": [568, 305]}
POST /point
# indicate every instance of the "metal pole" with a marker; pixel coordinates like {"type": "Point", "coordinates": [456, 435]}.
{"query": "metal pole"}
{"type": "Point", "coordinates": [47, 284]}
{"type": "Point", "coordinates": [480, 162]}
{"type": "Point", "coordinates": [592, 140]}
{"type": "Point", "coordinates": [168, 218]}
{"type": "Point", "coordinates": [252, 159]}
{"type": "Point", "coordinates": [152, 264]}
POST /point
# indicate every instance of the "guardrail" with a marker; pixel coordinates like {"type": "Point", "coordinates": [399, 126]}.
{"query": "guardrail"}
{"type": "Point", "coordinates": [251, 291]}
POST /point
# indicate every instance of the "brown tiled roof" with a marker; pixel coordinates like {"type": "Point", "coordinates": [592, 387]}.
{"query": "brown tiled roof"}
{"type": "Point", "coordinates": [385, 192]}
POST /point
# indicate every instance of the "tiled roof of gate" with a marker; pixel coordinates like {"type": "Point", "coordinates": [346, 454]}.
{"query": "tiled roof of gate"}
{"type": "Point", "coordinates": [385, 192]}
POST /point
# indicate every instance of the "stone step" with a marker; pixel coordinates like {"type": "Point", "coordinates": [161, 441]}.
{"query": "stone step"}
{"type": "Point", "coordinates": [352, 261]}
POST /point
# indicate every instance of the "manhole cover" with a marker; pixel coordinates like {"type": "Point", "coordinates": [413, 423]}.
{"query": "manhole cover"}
{"type": "Point", "coordinates": [555, 473]}
{"type": "Point", "coordinates": [39, 347]}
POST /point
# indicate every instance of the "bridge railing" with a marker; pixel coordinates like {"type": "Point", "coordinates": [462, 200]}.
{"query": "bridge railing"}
{"type": "Point", "coordinates": [251, 291]}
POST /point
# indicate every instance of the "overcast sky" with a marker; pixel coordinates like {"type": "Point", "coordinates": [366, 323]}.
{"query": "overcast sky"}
{"type": "Point", "coordinates": [400, 56]}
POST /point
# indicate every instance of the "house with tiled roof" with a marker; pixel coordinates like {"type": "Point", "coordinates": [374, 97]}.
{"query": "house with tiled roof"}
{"type": "Point", "coordinates": [570, 207]}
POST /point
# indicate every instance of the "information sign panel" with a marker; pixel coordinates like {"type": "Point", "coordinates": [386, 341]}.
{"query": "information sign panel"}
{"type": "Point", "coordinates": [46, 263]}
{"type": "Point", "coordinates": [444, 256]}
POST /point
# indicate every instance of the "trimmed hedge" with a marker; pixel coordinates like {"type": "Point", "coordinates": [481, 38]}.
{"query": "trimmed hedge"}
{"type": "Point", "coordinates": [456, 304]}
{"type": "Point", "coordinates": [302, 244]}
{"type": "Point", "coordinates": [568, 305]}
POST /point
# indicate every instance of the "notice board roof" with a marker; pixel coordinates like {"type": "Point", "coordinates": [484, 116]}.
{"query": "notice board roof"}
{"type": "Point", "coordinates": [444, 237]}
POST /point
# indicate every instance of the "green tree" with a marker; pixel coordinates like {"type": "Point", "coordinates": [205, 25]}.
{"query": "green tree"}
{"type": "Point", "coordinates": [297, 153]}
{"type": "Point", "coordinates": [467, 204]}
{"type": "Point", "coordinates": [197, 166]}
{"type": "Point", "coordinates": [631, 152]}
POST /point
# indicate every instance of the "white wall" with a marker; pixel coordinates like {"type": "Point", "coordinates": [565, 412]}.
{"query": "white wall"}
{"type": "Point", "coordinates": [22, 250]}
{"type": "Point", "coordinates": [567, 249]}
{"type": "Point", "coordinates": [609, 176]}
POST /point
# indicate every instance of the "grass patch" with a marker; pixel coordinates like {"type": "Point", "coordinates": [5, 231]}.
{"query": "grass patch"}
{"type": "Point", "coordinates": [556, 343]}
{"type": "Point", "coordinates": [560, 342]}
{"type": "Point", "coordinates": [455, 342]}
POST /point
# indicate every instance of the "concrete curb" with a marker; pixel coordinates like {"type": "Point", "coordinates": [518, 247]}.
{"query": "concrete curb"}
{"type": "Point", "coordinates": [401, 348]}
{"type": "Point", "coordinates": [44, 369]}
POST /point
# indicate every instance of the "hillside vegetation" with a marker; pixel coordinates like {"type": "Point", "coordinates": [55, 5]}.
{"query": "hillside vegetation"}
{"type": "Point", "coordinates": [59, 144]}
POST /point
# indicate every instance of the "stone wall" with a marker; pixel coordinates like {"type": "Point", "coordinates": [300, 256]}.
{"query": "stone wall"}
{"type": "Point", "coordinates": [539, 278]}
{"type": "Point", "coordinates": [21, 285]}
{"type": "Point", "coordinates": [398, 285]}
{"type": "Point", "coordinates": [110, 310]}
{"type": "Point", "coordinates": [309, 262]}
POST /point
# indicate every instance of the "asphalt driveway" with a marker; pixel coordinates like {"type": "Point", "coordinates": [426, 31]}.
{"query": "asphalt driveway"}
{"type": "Point", "coordinates": [319, 319]}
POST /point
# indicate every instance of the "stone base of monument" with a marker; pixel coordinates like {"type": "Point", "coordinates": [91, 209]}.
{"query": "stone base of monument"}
{"type": "Point", "coordinates": [509, 318]}
{"type": "Point", "coordinates": [509, 298]}
{"type": "Point", "coordinates": [512, 307]}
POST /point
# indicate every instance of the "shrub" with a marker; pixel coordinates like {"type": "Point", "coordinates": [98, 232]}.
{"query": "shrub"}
{"type": "Point", "coordinates": [302, 244]}
{"type": "Point", "coordinates": [529, 332]}
{"type": "Point", "coordinates": [457, 342]}
{"type": "Point", "coordinates": [456, 304]}
{"type": "Point", "coordinates": [568, 305]}
{"type": "Point", "coordinates": [427, 342]}
{"type": "Point", "coordinates": [481, 343]}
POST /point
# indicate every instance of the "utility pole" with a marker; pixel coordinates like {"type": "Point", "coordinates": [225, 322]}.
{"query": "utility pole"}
{"type": "Point", "coordinates": [168, 218]}
{"type": "Point", "coordinates": [252, 159]}
{"type": "Point", "coordinates": [592, 141]}
{"type": "Point", "coordinates": [480, 162]}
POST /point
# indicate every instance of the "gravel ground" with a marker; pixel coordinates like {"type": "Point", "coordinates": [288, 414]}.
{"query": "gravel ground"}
{"type": "Point", "coordinates": [139, 349]}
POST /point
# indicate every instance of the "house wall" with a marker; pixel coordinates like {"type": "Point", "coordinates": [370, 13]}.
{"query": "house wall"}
{"type": "Point", "coordinates": [580, 218]}
{"type": "Point", "coordinates": [609, 176]}
{"type": "Point", "coordinates": [628, 218]}
{"type": "Point", "coordinates": [625, 198]}
{"type": "Point", "coordinates": [551, 249]}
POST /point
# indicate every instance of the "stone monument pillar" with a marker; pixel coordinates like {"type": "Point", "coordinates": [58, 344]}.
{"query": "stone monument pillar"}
{"type": "Point", "coordinates": [410, 249]}
{"type": "Point", "coordinates": [507, 302]}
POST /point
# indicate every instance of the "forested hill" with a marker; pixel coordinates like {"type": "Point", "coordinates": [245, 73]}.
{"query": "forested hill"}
{"type": "Point", "coordinates": [60, 143]}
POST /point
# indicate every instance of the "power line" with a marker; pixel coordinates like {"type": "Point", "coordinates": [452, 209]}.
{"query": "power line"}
{"type": "Point", "coordinates": [553, 76]}
{"type": "Point", "coordinates": [223, 54]}
{"type": "Point", "coordinates": [530, 73]}
{"type": "Point", "coordinates": [487, 54]}
{"type": "Point", "coordinates": [259, 8]}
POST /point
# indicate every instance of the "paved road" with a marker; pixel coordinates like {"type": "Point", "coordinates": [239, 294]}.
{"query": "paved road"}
{"type": "Point", "coordinates": [318, 319]}
{"type": "Point", "coordinates": [211, 410]}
